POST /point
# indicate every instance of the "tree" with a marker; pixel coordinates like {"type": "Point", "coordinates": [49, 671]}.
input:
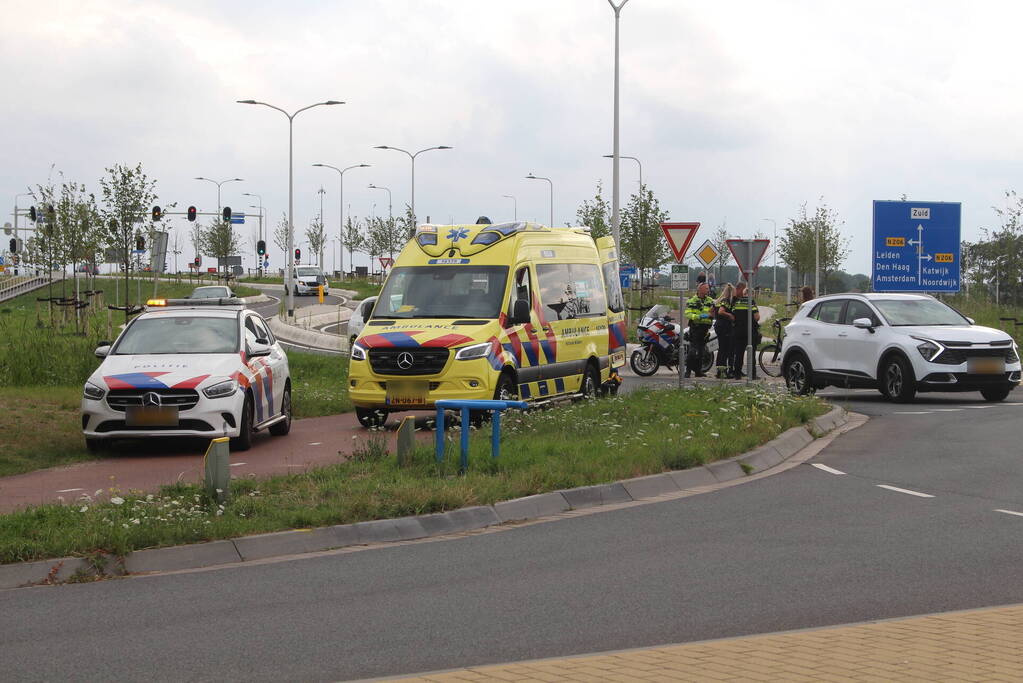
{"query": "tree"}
{"type": "Point", "coordinates": [797, 245]}
{"type": "Point", "coordinates": [128, 195]}
{"type": "Point", "coordinates": [720, 241]}
{"type": "Point", "coordinates": [385, 235]}
{"type": "Point", "coordinates": [642, 239]}
{"type": "Point", "coordinates": [317, 237]}
{"type": "Point", "coordinates": [354, 239]}
{"type": "Point", "coordinates": [219, 240]}
{"type": "Point", "coordinates": [996, 260]}
{"type": "Point", "coordinates": [596, 214]}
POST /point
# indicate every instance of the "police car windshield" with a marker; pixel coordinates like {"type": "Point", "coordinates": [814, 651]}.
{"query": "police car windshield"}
{"type": "Point", "coordinates": [907, 312]}
{"type": "Point", "coordinates": [442, 292]}
{"type": "Point", "coordinates": [179, 334]}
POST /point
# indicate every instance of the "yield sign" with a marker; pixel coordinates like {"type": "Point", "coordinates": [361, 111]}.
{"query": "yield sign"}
{"type": "Point", "coordinates": [679, 236]}
{"type": "Point", "coordinates": [386, 261]}
{"type": "Point", "coordinates": [706, 254]}
{"type": "Point", "coordinates": [747, 253]}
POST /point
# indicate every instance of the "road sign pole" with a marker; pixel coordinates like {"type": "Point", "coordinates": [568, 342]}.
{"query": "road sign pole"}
{"type": "Point", "coordinates": [749, 330]}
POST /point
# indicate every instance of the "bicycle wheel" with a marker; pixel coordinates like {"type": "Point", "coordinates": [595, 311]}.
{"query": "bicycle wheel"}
{"type": "Point", "coordinates": [770, 360]}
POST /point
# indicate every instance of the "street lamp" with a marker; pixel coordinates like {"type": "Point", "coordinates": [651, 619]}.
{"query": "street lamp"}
{"type": "Point", "coordinates": [341, 194]}
{"type": "Point", "coordinates": [218, 184]}
{"type": "Point", "coordinates": [289, 271]}
{"type": "Point", "coordinates": [515, 205]}
{"type": "Point", "coordinates": [390, 211]}
{"type": "Point", "coordinates": [536, 177]}
{"type": "Point", "coordinates": [412, 156]}
{"type": "Point", "coordinates": [615, 226]}
{"type": "Point", "coordinates": [23, 194]}
{"type": "Point", "coordinates": [612, 156]}
{"type": "Point", "coordinates": [774, 245]}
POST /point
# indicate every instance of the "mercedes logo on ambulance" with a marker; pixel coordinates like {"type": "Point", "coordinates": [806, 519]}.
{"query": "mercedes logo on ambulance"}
{"type": "Point", "coordinates": [405, 360]}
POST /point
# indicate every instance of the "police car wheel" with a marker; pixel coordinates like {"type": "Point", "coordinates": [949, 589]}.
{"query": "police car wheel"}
{"type": "Point", "coordinates": [995, 394]}
{"type": "Point", "coordinates": [243, 441]}
{"type": "Point", "coordinates": [284, 426]}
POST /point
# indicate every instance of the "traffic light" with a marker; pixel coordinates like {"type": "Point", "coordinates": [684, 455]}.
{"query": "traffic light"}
{"type": "Point", "coordinates": [298, 256]}
{"type": "Point", "coordinates": [157, 213]}
{"type": "Point", "coordinates": [49, 210]}
{"type": "Point", "coordinates": [227, 213]}
{"type": "Point", "coordinates": [140, 243]}
{"type": "Point", "coordinates": [32, 213]}
{"type": "Point", "coordinates": [197, 261]}
{"type": "Point", "coordinates": [191, 213]}
{"type": "Point", "coordinates": [261, 248]}
{"type": "Point", "coordinates": [14, 245]}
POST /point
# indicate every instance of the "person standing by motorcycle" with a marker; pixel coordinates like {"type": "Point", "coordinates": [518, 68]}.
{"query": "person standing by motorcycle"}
{"type": "Point", "coordinates": [724, 323]}
{"type": "Point", "coordinates": [700, 313]}
{"type": "Point", "coordinates": [742, 302]}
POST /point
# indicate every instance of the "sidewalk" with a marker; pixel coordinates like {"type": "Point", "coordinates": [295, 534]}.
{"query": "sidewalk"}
{"type": "Point", "coordinates": [975, 645]}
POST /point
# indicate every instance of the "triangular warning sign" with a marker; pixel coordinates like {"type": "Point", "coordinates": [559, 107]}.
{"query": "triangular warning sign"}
{"type": "Point", "coordinates": [679, 236]}
{"type": "Point", "coordinates": [747, 253]}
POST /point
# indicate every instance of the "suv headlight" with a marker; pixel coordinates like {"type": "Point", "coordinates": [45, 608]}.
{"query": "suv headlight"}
{"type": "Point", "coordinates": [221, 389]}
{"type": "Point", "coordinates": [93, 392]}
{"type": "Point", "coordinates": [473, 352]}
{"type": "Point", "coordinates": [1012, 355]}
{"type": "Point", "coordinates": [929, 350]}
{"type": "Point", "coordinates": [358, 353]}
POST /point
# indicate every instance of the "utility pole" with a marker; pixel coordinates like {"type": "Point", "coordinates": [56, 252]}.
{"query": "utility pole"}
{"type": "Point", "coordinates": [323, 229]}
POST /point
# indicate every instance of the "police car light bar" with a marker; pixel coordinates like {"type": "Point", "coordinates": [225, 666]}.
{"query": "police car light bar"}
{"type": "Point", "coordinates": [222, 301]}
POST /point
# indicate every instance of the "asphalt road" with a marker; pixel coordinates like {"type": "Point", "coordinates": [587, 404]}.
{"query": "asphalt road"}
{"type": "Point", "coordinates": [808, 547]}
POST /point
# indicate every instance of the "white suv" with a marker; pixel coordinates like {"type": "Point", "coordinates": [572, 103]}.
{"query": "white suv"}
{"type": "Point", "coordinates": [189, 367]}
{"type": "Point", "coordinates": [899, 344]}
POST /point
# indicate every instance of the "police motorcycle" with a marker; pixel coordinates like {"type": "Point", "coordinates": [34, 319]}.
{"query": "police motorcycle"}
{"type": "Point", "coordinates": [661, 340]}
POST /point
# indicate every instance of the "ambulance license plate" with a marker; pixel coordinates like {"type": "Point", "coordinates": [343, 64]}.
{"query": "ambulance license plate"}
{"type": "Point", "coordinates": [407, 393]}
{"type": "Point", "coordinates": [151, 416]}
{"type": "Point", "coordinates": [617, 359]}
{"type": "Point", "coordinates": [985, 366]}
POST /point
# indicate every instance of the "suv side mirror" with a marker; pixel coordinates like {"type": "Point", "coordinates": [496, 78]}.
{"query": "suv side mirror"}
{"type": "Point", "coordinates": [864, 324]}
{"type": "Point", "coordinates": [520, 312]}
{"type": "Point", "coordinates": [103, 350]}
{"type": "Point", "coordinates": [259, 348]}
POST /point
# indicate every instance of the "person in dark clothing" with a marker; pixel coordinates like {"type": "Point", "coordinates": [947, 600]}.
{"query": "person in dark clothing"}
{"type": "Point", "coordinates": [742, 303]}
{"type": "Point", "coordinates": [700, 313]}
{"type": "Point", "coordinates": [724, 322]}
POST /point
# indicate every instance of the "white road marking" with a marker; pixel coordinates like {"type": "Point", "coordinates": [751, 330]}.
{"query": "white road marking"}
{"type": "Point", "coordinates": [1011, 512]}
{"type": "Point", "coordinates": [948, 410]}
{"type": "Point", "coordinates": [912, 493]}
{"type": "Point", "coordinates": [69, 490]}
{"type": "Point", "coordinates": [316, 443]}
{"type": "Point", "coordinates": [978, 407]}
{"type": "Point", "coordinates": [238, 464]}
{"type": "Point", "coordinates": [913, 412]}
{"type": "Point", "coordinates": [832, 470]}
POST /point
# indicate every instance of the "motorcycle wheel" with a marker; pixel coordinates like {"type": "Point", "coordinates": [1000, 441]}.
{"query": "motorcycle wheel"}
{"type": "Point", "coordinates": [644, 362]}
{"type": "Point", "coordinates": [708, 362]}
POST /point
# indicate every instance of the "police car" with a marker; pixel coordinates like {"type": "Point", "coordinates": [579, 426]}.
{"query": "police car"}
{"type": "Point", "coordinates": [189, 367]}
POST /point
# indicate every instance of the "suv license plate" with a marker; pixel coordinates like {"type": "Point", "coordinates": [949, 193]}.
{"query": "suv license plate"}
{"type": "Point", "coordinates": [162, 416]}
{"type": "Point", "coordinates": [407, 393]}
{"type": "Point", "coordinates": [986, 366]}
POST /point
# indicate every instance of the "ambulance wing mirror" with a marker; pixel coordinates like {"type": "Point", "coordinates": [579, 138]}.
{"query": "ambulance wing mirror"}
{"type": "Point", "coordinates": [520, 312]}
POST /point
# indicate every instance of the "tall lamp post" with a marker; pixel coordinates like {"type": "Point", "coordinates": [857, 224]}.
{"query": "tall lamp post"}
{"type": "Point", "coordinates": [615, 225]}
{"type": "Point", "coordinates": [774, 246]}
{"type": "Point", "coordinates": [289, 271]}
{"type": "Point", "coordinates": [341, 199]}
{"type": "Point", "coordinates": [612, 156]}
{"type": "Point", "coordinates": [390, 209]}
{"type": "Point", "coordinates": [551, 182]}
{"type": "Point", "coordinates": [218, 183]}
{"type": "Point", "coordinates": [23, 194]}
{"type": "Point", "coordinates": [412, 156]}
{"type": "Point", "coordinates": [515, 205]}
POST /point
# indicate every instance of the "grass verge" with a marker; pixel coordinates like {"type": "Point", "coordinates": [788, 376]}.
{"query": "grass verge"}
{"type": "Point", "coordinates": [587, 443]}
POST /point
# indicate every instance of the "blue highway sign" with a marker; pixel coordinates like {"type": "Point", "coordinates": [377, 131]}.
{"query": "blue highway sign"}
{"type": "Point", "coordinates": [916, 246]}
{"type": "Point", "coordinates": [237, 218]}
{"type": "Point", "coordinates": [628, 269]}
{"type": "Point", "coordinates": [626, 280]}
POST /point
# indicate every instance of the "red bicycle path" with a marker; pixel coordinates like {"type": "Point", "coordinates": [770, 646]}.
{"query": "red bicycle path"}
{"type": "Point", "coordinates": [146, 466]}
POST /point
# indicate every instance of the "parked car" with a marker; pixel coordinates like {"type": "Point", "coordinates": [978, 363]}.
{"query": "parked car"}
{"type": "Point", "coordinates": [189, 367]}
{"type": "Point", "coordinates": [212, 292]}
{"type": "Point", "coordinates": [359, 317]}
{"type": "Point", "coordinates": [899, 344]}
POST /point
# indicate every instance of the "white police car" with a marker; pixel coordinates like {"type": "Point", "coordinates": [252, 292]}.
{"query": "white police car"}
{"type": "Point", "coordinates": [185, 367]}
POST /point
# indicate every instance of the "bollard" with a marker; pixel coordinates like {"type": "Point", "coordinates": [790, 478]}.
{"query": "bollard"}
{"type": "Point", "coordinates": [495, 408]}
{"type": "Point", "coordinates": [406, 440]}
{"type": "Point", "coordinates": [217, 466]}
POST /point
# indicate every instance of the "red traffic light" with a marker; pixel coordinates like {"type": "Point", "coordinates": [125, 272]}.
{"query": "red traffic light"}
{"type": "Point", "coordinates": [191, 213]}
{"type": "Point", "coordinates": [157, 213]}
{"type": "Point", "coordinates": [197, 261]}
{"type": "Point", "coordinates": [298, 254]}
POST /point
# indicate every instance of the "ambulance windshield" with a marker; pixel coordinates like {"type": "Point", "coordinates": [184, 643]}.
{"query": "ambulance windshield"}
{"type": "Point", "coordinates": [447, 291]}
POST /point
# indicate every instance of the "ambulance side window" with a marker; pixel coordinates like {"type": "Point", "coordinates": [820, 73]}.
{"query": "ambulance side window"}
{"type": "Point", "coordinates": [522, 289]}
{"type": "Point", "coordinates": [571, 290]}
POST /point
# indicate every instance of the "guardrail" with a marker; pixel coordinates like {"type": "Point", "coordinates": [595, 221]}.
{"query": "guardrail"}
{"type": "Point", "coordinates": [495, 408]}
{"type": "Point", "coordinates": [20, 285]}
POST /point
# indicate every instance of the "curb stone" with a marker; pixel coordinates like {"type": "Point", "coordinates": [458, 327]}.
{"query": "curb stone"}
{"type": "Point", "coordinates": [300, 541]}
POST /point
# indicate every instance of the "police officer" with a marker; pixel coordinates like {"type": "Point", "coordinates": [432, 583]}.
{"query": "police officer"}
{"type": "Point", "coordinates": [742, 302]}
{"type": "Point", "coordinates": [723, 323]}
{"type": "Point", "coordinates": [699, 312]}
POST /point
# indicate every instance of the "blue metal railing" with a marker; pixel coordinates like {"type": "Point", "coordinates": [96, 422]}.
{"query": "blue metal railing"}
{"type": "Point", "coordinates": [495, 408]}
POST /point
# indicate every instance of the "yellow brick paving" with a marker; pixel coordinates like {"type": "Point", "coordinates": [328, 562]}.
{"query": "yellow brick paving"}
{"type": "Point", "coordinates": [973, 645]}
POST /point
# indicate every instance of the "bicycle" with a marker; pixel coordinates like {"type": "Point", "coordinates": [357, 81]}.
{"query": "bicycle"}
{"type": "Point", "coordinates": [770, 354]}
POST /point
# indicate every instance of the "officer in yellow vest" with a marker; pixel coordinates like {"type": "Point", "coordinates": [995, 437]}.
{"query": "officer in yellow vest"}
{"type": "Point", "coordinates": [742, 302]}
{"type": "Point", "coordinates": [700, 313]}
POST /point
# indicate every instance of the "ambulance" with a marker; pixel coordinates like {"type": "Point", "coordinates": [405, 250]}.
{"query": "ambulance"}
{"type": "Point", "coordinates": [494, 311]}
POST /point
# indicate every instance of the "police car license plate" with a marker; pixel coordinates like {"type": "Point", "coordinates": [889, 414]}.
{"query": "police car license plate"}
{"type": "Point", "coordinates": [617, 359]}
{"type": "Point", "coordinates": [407, 393]}
{"type": "Point", "coordinates": [986, 366]}
{"type": "Point", "coordinates": [161, 416]}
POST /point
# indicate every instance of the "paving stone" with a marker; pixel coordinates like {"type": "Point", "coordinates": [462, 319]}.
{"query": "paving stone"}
{"type": "Point", "coordinates": [436, 524]}
{"type": "Point", "coordinates": [182, 557]}
{"type": "Point", "coordinates": [763, 458]}
{"type": "Point", "coordinates": [531, 507]}
{"type": "Point", "coordinates": [285, 543]}
{"type": "Point", "coordinates": [409, 528]}
{"type": "Point", "coordinates": [24, 573]}
{"type": "Point", "coordinates": [476, 517]}
{"type": "Point", "coordinates": [344, 535]}
{"type": "Point", "coordinates": [591, 496]}
{"type": "Point", "coordinates": [726, 470]}
{"type": "Point", "coordinates": [379, 531]}
{"type": "Point", "coordinates": [791, 441]}
{"type": "Point", "coordinates": [692, 478]}
{"type": "Point", "coordinates": [650, 486]}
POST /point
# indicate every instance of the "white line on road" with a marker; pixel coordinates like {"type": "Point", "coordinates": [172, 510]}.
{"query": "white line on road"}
{"type": "Point", "coordinates": [238, 464]}
{"type": "Point", "coordinates": [948, 410]}
{"type": "Point", "coordinates": [69, 490]}
{"type": "Point", "coordinates": [978, 407]}
{"type": "Point", "coordinates": [913, 412]}
{"type": "Point", "coordinates": [912, 493]}
{"type": "Point", "coordinates": [832, 470]}
{"type": "Point", "coordinates": [316, 443]}
{"type": "Point", "coordinates": [1011, 512]}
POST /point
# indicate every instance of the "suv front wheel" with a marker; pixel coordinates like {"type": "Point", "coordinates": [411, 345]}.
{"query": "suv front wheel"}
{"type": "Point", "coordinates": [799, 375]}
{"type": "Point", "coordinates": [897, 380]}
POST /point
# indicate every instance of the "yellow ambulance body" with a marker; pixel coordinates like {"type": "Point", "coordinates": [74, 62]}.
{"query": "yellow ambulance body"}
{"type": "Point", "coordinates": [509, 310]}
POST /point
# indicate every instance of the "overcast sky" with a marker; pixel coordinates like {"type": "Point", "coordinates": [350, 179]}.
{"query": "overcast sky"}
{"type": "Point", "coordinates": [739, 111]}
